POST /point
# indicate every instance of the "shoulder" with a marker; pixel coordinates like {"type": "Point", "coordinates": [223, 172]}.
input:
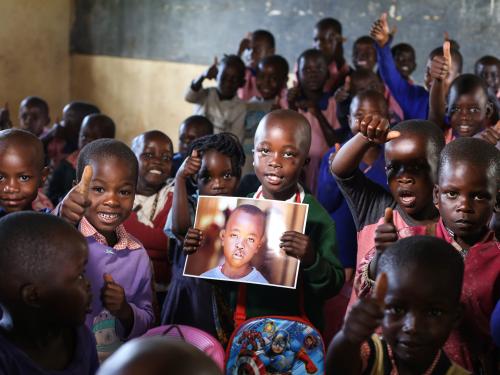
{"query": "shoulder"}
{"type": "Point", "coordinates": [214, 272]}
{"type": "Point", "coordinates": [316, 212]}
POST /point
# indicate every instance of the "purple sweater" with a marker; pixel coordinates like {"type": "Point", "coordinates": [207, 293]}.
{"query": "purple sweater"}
{"type": "Point", "coordinates": [132, 270]}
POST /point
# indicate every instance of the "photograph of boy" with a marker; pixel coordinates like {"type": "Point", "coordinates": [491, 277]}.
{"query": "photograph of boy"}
{"type": "Point", "coordinates": [241, 239]}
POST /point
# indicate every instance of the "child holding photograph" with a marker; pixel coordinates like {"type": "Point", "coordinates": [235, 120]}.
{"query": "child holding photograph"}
{"type": "Point", "coordinates": [241, 239]}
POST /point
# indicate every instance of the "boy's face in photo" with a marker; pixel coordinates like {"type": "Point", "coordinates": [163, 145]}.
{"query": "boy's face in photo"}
{"type": "Point", "coordinates": [33, 119]}
{"type": "Point", "coordinates": [419, 314]}
{"type": "Point", "coordinates": [242, 238]}
{"type": "Point", "coordinates": [279, 158]}
{"type": "Point", "coordinates": [312, 73]}
{"type": "Point", "coordinates": [111, 194]}
{"type": "Point", "coordinates": [468, 112]}
{"type": "Point", "coordinates": [409, 169]}
{"type": "Point", "coordinates": [20, 177]}
{"type": "Point", "coordinates": [466, 196]}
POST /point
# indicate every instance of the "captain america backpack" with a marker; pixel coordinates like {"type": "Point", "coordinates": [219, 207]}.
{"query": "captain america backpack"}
{"type": "Point", "coordinates": [273, 344]}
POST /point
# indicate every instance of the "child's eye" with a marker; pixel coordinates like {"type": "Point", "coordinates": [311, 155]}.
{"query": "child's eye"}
{"type": "Point", "coordinates": [289, 154]}
{"type": "Point", "coordinates": [454, 109]}
{"type": "Point", "coordinates": [264, 151]}
{"type": "Point", "coordinates": [474, 110]}
{"type": "Point", "coordinates": [227, 176]}
{"type": "Point", "coordinates": [480, 197]}
{"type": "Point", "coordinates": [451, 194]}
{"type": "Point", "coordinates": [125, 192]}
{"type": "Point", "coordinates": [234, 235]}
{"type": "Point", "coordinates": [147, 155]}
{"type": "Point", "coordinates": [98, 189]}
{"type": "Point", "coordinates": [251, 240]}
{"type": "Point", "coordinates": [166, 158]}
{"type": "Point", "coordinates": [2, 178]}
{"type": "Point", "coordinates": [24, 178]}
{"type": "Point", "coordinates": [395, 310]}
{"type": "Point", "coordinates": [435, 313]}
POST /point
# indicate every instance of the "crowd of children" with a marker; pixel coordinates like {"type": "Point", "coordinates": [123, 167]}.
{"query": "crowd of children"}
{"type": "Point", "coordinates": [399, 260]}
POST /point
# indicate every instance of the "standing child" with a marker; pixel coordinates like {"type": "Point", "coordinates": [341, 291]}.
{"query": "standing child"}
{"type": "Point", "coordinates": [94, 126]}
{"type": "Point", "coordinates": [318, 107]}
{"type": "Point", "coordinates": [417, 303]}
{"type": "Point", "coordinates": [152, 203]}
{"type": "Point", "coordinates": [191, 129]}
{"type": "Point", "coordinates": [119, 268]}
{"type": "Point", "coordinates": [215, 164]}
{"type": "Point", "coordinates": [34, 115]}
{"type": "Point", "coordinates": [22, 170]}
{"type": "Point", "coordinates": [282, 144]}
{"type": "Point", "coordinates": [220, 104]}
{"type": "Point", "coordinates": [253, 48]}
{"type": "Point", "coordinates": [411, 163]}
{"type": "Point", "coordinates": [44, 297]}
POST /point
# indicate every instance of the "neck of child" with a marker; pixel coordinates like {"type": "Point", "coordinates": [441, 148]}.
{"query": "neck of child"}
{"type": "Point", "coordinates": [282, 195]}
{"type": "Point", "coordinates": [428, 215]}
{"type": "Point", "coordinates": [144, 189]}
{"type": "Point", "coordinates": [468, 241]}
{"type": "Point", "coordinates": [111, 238]}
{"type": "Point", "coordinates": [236, 272]}
{"type": "Point", "coordinates": [414, 368]}
{"type": "Point", "coordinates": [224, 97]}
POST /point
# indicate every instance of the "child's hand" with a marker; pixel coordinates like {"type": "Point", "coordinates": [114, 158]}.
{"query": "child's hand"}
{"type": "Point", "coordinates": [343, 92]}
{"type": "Point", "coordinates": [114, 300]}
{"type": "Point", "coordinates": [366, 315]}
{"type": "Point", "coordinates": [190, 166]}
{"type": "Point", "coordinates": [193, 240]}
{"type": "Point", "coordinates": [293, 96]}
{"type": "Point", "coordinates": [380, 30]}
{"type": "Point", "coordinates": [386, 233]}
{"type": "Point", "coordinates": [277, 102]}
{"type": "Point", "coordinates": [5, 122]}
{"type": "Point", "coordinates": [440, 65]}
{"type": "Point", "coordinates": [491, 135]}
{"type": "Point", "coordinates": [376, 129]}
{"type": "Point", "coordinates": [75, 203]}
{"type": "Point", "coordinates": [211, 73]}
{"type": "Point", "coordinates": [299, 246]}
{"type": "Point", "coordinates": [245, 44]}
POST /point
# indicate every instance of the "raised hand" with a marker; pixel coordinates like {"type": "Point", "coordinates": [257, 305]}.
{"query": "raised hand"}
{"type": "Point", "coordinates": [212, 71]}
{"type": "Point", "coordinates": [491, 134]}
{"type": "Point", "coordinates": [113, 298]}
{"type": "Point", "coordinates": [190, 166]}
{"type": "Point", "coordinates": [376, 129]}
{"type": "Point", "coordinates": [386, 233]}
{"type": "Point", "coordinates": [380, 30]}
{"type": "Point", "coordinates": [192, 241]}
{"type": "Point", "coordinates": [440, 65]}
{"type": "Point", "coordinates": [245, 43]}
{"type": "Point", "coordinates": [75, 203]}
{"type": "Point", "coordinates": [343, 92]}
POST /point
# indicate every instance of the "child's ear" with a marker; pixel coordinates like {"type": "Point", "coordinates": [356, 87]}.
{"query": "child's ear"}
{"type": "Point", "coordinates": [222, 233]}
{"type": "Point", "coordinates": [29, 295]}
{"type": "Point", "coordinates": [489, 108]}
{"type": "Point", "coordinates": [45, 173]}
{"type": "Point", "coordinates": [435, 195]}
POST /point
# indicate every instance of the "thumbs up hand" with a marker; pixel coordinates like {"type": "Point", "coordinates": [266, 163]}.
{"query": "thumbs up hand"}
{"type": "Point", "coordinates": [190, 166]}
{"type": "Point", "coordinates": [440, 65]}
{"type": "Point", "coordinates": [212, 71]}
{"type": "Point", "coordinates": [75, 203]}
{"type": "Point", "coordinates": [113, 299]}
{"type": "Point", "coordinates": [386, 233]}
{"type": "Point", "coordinates": [344, 91]}
{"type": "Point", "coordinates": [380, 30]}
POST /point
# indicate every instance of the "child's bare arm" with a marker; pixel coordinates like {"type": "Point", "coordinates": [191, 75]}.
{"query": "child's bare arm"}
{"type": "Point", "coordinates": [210, 73]}
{"type": "Point", "coordinates": [440, 67]}
{"type": "Point", "coordinates": [372, 130]}
{"type": "Point", "coordinates": [343, 356]}
{"type": "Point", "coordinates": [244, 44]}
{"type": "Point", "coordinates": [181, 220]}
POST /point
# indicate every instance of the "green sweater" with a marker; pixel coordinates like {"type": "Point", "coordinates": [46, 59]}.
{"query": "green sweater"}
{"type": "Point", "coordinates": [320, 281]}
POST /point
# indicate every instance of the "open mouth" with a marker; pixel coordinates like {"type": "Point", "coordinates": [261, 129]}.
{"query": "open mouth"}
{"type": "Point", "coordinates": [11, 202]}
{"type": "Point", "coordinates": [238, 254]}
{"type": "Point", "coordinates": [407, 198]}
{"type": "Point", "coordinates": [155, 171]}
{"type": "Point", "coordinates": [108, 218]}
{"type": "Point", "coordinates": [273, 179]}
{"type": "Point", "coordinates": [465, 129]}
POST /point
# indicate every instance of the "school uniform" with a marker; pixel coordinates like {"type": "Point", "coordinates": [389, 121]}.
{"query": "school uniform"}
{"type": "Point", "coordinates": [226, 115]}
{"type": "Point", "coordinates": [335, 76]}
{"type": "Point", "coordinates": [249, 90]}
{"type": "Point", "coordinates": [14, 361]}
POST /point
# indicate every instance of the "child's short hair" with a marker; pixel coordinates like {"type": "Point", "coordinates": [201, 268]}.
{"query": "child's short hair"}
{"type": "Point", "coordinates": [329, 23]}
{"type": "Point", "coordinates": [28, 245]}
{"type": "Point", "coordinates": [20, 136]}
{"type": "Point", "coordinates": [455, 56]}
{"type": "Point", "coordinates": [106, 124]}
{"type": "Point", "coordinates": [402, 47]}
{"type": "Point", "coordinates": [365, 39]}
{"type": "Point", "coordinates": [374, 95]}
{"type": "Point", "coordinates": [311, 53]}
{"type": "Point", "coordinates": [235, 61]}
{"type": "Point", "coordinates": [279, 62]}
{"type": "Point", "coordinates": [467, 84]}
{"type": "Point", "coordinates": [426, 129]}
{"type": "Point", "coordinates": [479, 153]}
{"type": "Point", "coordinates": [224, 143]}
{"type": "Point", "coordinates": [35, 101]}
{"type": "Point", "coordinates": [486, 60]}
{"type": "Point", "coordinates": [83, 108]}
{"type": "Point", "coordinates": [251, 210]}
{"type": "Point", "coordinates": [431, 253]}
{"type": "Point", "coordinates": [106, 148]}
{"type": "Point", "coordinates": [264, 35]}
{"type": "Point", "coordinates": [202, 122]}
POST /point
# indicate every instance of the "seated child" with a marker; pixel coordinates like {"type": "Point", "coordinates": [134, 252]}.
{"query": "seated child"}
{"type": "Point", "coordinates": [241, 240]}
{"type": "Point", "coordinates": [488, 68]}
{"type": "Point", "coordinates": [119, 268]}
{"type": "Point", "coordinates": [405, 59]}
{"type": "Point", "coordinates": [191, 129]}
{"type": "Point", "coordinates": [282, 143]}
{"type": "Point", "coordinates": [22, 171]}
{"type": "Point", "coordinates": [44, 296]}
{"type": "Point", "coordinates": [153, 200]}
{"type": "Point", "coordinates": [214, 163]}
{"type": "Point", "coordinates": [413, 99]}
{"type": "Point", "coordinates": [94, 126]}
{"type": "Point", "coordinates": [34, 115]}
{"type": "Point", "coordinates": [272, 75]}
{"type": "Point", "coordinates": [158, 355]}
{"type": "Point", "coordinates": [220, 104]}
{"type": "Point", "coordinates": [411, 162]}
{"type": "Point", "coordinates": [252, 49]}
{"type": "Point", "coordinates": [318, 107]}
{"type": "Point", "coordinates": [329, 40]}
{"type": "Point", "coordinates": [417, 308]}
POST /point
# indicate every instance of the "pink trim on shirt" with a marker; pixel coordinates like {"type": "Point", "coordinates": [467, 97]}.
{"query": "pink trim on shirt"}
{"type": "Point", "coordinates": [125, 240]}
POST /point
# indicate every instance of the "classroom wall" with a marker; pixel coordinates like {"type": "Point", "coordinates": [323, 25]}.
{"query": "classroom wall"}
{"type": "Point", "coordinates": [34, 54]}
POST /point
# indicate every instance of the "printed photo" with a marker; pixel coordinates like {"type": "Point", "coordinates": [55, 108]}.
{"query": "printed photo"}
{"type": "Point", "coordinates": [241, 240]}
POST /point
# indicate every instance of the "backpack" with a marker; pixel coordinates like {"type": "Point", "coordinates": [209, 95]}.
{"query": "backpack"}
{"type": "Point", "coordinates": [194, 336]}
{"type": "Point", "coordinates": [273, 344]}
